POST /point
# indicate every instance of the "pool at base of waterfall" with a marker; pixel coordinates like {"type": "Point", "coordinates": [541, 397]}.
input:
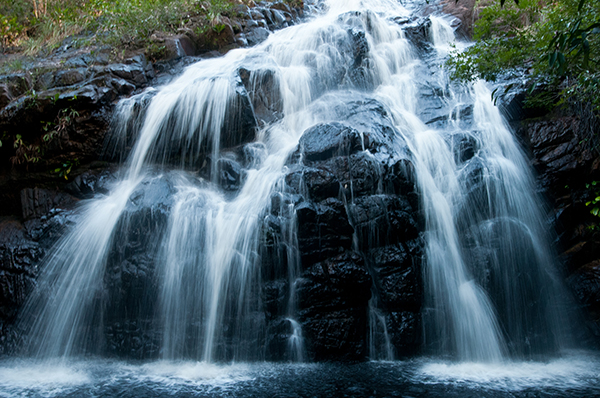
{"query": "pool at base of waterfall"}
{"type": "Point", "coordinates": [576, 374]}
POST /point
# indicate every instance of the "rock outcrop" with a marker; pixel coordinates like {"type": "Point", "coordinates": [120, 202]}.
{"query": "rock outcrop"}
{"type": "Point", "coordinates": [359, 237]}
{"type": "Point", "coordinates": [564, 153]}
{"type": "Point", "coordinates": [54, 117]}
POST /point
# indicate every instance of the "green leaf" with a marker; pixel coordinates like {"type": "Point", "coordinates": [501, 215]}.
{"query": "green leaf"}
{"type": "Point", "coordinates": [552, 60]}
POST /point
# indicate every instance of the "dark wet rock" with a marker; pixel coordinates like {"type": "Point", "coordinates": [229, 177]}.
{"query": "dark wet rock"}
{"type": "Point", "coordinates": [19, 256]}
{"type": "Point", "coordinates": [241, 124]}
{"type": "Point", "coordinates": [277, 345]}
{"type": "Point", "coordinates": [398, 279]}
{"type": "Point", "coordinates": [50, 227]}
{"type": "Point", "coordinates": [263, 89]}
{"type": "Point", "coordinates": [275, 295]}
{"type": "Point", "coordinates": [131, 339]}
{"type": "Point", "coordinates": [81, 61]}
{"type": "Point", "coordinates": [370, 118]}
{"type": "Point", "coordinates": [383, 219]}
{"type": "Point", "coordinates": [585, 283]}
{"type": "Point", "coordinates": [465, 147]}
{"type": "Point", "coordinates": [325, 141]}
{"type": "Point", "coordinates": [89, 183]}
{"type": "Point", "coordinates": [69, 77]}
{"type": "Point", "coordinates": [358, 186]}
{"type": "Point", "coordinates": [559, 152]}
{"type": "Point", "coordinates": [257, 35]}
{"type": "Point", "coordinates": [230, 174]}
{"type": "Point", "coordinates": [131, 286]}
{"type": "Point", "coordinates": [337, 283]}
{"type": "Point", "coordinates": [134, 72]}
{"type": "Point", "coordinates": [418, 31]}
{"type": "Point", "coordinates": [122, 86]}
{"type": "Point", "coordinates": [405, 332]}
{"type": "Point", "coordinates": [6, 95]}
{"type": "Point", "coordinates": [180, 46]}
{"type": "Point", "coordinates": [16, 83]}
{"type": "Point", "coordinates": [359, 173]}
{"type": "Point", "coordinates": [319, 183]}
{"type": "Point", "coordinates": [37, 202]}
{"type": "Point", "coordinates": [339, 335]}
{"type": "Point", "coordinates": [22, 249]}
{"type": "Point", "coordinates": [323, 230]}
{"type": "Point", "coordinates": [333, 296]}
{"type": "Point", "coordinates": [400, 179]}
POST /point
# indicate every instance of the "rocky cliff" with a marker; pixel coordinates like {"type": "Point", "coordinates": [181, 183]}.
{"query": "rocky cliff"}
{"type": "Point", "coordinates": [563, 148]}
{"type": "Point", "coordinates": [359, 224]}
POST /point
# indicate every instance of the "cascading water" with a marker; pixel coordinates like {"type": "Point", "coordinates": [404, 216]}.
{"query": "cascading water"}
{"type": "Point", "coordinates": [486, 252]}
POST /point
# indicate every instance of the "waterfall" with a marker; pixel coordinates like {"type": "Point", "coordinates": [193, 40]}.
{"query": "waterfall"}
{"type": "Point", "coordinates": [207, 170]}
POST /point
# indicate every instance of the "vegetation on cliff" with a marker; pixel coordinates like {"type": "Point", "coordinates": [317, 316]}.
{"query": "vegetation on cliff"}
{"type": "Point", "coordinates": [555, 42]}
{"type": "Point", "coordinates": [36, 25]}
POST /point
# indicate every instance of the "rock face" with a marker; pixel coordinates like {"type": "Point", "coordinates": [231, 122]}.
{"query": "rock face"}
{"type": "Point", "coordinates": [350, 196]}
{"type": "Point", "coordinates": [346, 225]}
{"type": "Point", "coordinates": [358, 237]}
{"type": "Point", "coordinates": [562, 151]}
{"type": "Point", "coordinates": [18, 258]}
{"type": "Point", "coordinates": [54, 118]}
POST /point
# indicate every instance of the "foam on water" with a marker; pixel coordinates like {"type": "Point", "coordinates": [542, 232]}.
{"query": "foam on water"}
{"type": "Point", "coordinates": [86, 378]}
{"type": "Point", "coordinates": [21, 378]}
{"type": "Point", "coordinates": [576, 370]}
{"type": "Point", "coordinates": [191, 372]}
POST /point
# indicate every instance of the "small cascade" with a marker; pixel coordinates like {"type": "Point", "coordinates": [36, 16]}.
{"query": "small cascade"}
{"type": "Point", "coordinates": [290, 228]}
{"type": "Point", "coordinates": [380, 346]}
{"type": "Point", "coordinates": [296, 342]}
{"type": "Point", "coordinates": [195, 252]}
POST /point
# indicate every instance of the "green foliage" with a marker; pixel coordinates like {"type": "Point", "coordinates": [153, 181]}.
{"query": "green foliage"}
{"type": "Point", "coordinates": [24, 153]}
{"type": "Point", "coordinates": [121, 23]}
{"type": "Point", "coordinates": [132, 22]}
{"type": "Point", "coordinates": [10, 30]}
{"type": "Point", "coordinates": [552, 40]}
{"type": "Point", "coordinates": [58, 128]}
{"type": "Point", "coordinates": [219, 27]}
{"type": "Point", "coordinates": [64, 169]}
{"type": "Point", "coordinates": [155, 51]}
{"type": "Point", "coordinates": [11, 65]}
{"type": "Point", "coordinates": [594, 203]}
{"type": "Point", "coordinates": [31, 99]}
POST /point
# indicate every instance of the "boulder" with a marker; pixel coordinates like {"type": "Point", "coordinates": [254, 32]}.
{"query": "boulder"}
{"type": "Point", "coordinates": [333, 297]}
{"type": "Point", "coordinates": [324, 141]}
